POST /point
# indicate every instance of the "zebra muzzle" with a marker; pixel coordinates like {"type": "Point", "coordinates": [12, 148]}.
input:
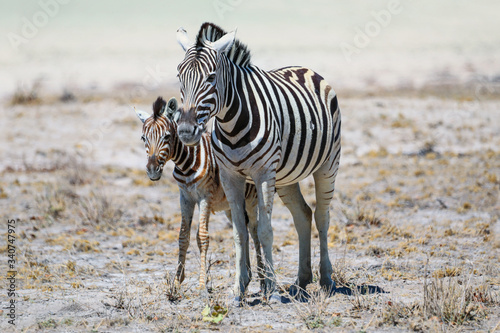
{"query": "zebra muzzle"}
{"type": "Point", "coordinates": [153, 168]}
{"type": "Point", "coordinates": [188, 134]}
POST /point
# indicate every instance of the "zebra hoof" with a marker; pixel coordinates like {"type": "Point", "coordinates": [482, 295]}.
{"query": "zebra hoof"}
{"type": "Point", "coordinates": [299, 293]}
{"type": "Point", "coordinates": [329, 287]}
{"type": "Point", "coordinates": [237, 302]}
{"type": "Point", "coordinates": [204, 293]}
{"type": "Point", "coordinates": [274, 299]}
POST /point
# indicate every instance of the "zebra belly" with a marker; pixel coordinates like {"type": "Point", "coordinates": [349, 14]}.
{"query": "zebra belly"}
{"type": "Point", "coordinates": [293, 165]}
{"type": "Point", "coordinates": [293, 173]}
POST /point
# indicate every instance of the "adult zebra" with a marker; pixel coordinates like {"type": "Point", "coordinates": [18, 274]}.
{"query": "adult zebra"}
{"type": "Point", "coordinates": [272, 128]}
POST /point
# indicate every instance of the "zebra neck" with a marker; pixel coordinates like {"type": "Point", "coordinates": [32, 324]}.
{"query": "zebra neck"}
{"type": "Point", "coordinates": [231, 97]}
{"type": "Point", "coordinates": [236, 118]}
{"type": "Point", "coordinates": [187, 158]}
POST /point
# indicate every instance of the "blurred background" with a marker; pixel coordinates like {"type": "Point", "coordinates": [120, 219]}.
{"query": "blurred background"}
{"type": "Point", "coordinates": [359, 46]}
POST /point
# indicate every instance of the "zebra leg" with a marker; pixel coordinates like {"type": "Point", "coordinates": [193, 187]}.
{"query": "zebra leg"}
{"type": "Point", "coordinates": [252, 226]}
{"type": "Point", "coordinates": [247, 259]}
{"type": "Point", "coordinates": [187, 209]}
{"type": "Point", "coordinates": [234, 187]}
{"type": "Point", "coordinates": [324, 180]}
{"type": "Point", "coordinates": [247, 250]}
{"type": "Point", "coordinates": [265, 194]}
{"type": "Point", "coordinates": [302, 216]}
{"type": "Point", "coordinates": [202, 238]}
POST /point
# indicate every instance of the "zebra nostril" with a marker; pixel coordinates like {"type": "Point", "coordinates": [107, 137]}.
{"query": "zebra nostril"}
{"type": "Point", "coordinates": [183, 129]}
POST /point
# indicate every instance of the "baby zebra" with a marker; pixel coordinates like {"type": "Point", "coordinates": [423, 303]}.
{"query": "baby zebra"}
{"type": "Point", "coordinates": [197, 176]}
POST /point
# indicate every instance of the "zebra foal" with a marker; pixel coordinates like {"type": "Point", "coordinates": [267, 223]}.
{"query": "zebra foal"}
{"type": "Point", "coordinates": [271, 128]}
{"type": "Point", "coordinates": [197, 176]}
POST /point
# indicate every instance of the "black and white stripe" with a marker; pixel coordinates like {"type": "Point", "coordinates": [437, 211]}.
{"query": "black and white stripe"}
{"type": "Point", "coordinates": [271, 128]}
{"type": "Point", "coordinates": [197, 176]}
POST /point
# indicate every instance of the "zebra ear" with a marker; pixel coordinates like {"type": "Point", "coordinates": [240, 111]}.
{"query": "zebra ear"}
{"type": "Point", "coordinates": [176, 116]}
{"type": "Point", "coordinates": [183, 39]}
{"type": "Point", "coordinates": [224, 43]}
{"type": "Point", "coordinates": [141, 114]}
{"type": "Point", "coordinates": [171, 108]}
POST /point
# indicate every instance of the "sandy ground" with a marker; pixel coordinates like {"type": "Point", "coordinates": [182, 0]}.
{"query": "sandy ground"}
{"type": "Point", "coordinates": [416, 211]}
{"type": "Point", "coordinates": [416, 204]}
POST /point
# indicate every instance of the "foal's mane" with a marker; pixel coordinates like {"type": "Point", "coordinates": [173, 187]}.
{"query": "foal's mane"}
{"type": "Point", "coordinates": [158, 106]}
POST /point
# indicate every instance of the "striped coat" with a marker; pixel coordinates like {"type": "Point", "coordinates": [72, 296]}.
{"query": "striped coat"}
{"type": "Point", "coordinates": [271, 128]}
{"type": "Point", "coordinates": [197, 176]}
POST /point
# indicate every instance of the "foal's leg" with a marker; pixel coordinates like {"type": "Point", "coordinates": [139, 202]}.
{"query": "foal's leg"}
{"type": "Point", "coordinates": [202, 238]}
{"type": "Point", "coordinates": [187, 209]}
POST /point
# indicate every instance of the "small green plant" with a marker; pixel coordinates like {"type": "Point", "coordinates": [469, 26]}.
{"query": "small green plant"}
{"type": "Point", "coordinates": [335, 322]}
{"type": "Point", "coordinates": [68, 322]}
{"type": "Point", "coordinates": [214, 314]}
{"type": "Point", "coordinates": [313, 322]}
{"type": "Point", "coordinates": [49, 323]}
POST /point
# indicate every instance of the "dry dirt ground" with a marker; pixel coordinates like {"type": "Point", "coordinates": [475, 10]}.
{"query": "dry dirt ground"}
{"type": "Point", "coordinates": [416, 213]}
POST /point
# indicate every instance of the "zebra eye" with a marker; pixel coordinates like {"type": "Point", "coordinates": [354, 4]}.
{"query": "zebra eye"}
{"type": "Point", "coordinates": [211, 78]}
{"type": "Point", "coordinates": [166, 137]}
{"type": "Point", "coordinates": [201, 118]}
{"type": "Point", "coordinates": [143, 138]}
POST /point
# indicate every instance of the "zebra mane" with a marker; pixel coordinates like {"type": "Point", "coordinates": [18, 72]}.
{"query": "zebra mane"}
{"type": "Point", "coordinates": [239, 54]}
{"type": "Point", "coordinates": [159, 107]}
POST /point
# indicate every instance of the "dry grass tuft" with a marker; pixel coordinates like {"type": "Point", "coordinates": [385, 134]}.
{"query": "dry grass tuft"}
{"type": "Point", "coordinates": [342, 274]}
{"type": "Point", "coordinates": [447, 272]}
{"type": "Point", "coordinates": [77, 171]}
{"type": "Point", "coordinates": [398, 313]}
{"type": "Point", "coordinates": [98, 208]}
{"type": "Point", "coordinates": [145, 301]}
{"type": "Point", "coordinates": [375, 251]}
{"type": "Point", "coordinates": [26, 95]}
{"type": "Point", "coordinates": [54, 201]}
{"type": "Point", "coordinates": [314, 313]}
{"type": "Point", "coordinates": [360, 215]}
{"type": "Point", "coordinates": [171, 287]}
{"type": "Point", "coordinates": [454, 300]}
{"type": "Point", "coordinates": [360, 299]}
{"type": "Point", "coordinates": [368, 217]}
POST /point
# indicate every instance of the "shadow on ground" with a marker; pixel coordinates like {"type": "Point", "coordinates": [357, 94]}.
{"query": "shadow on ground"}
{"type": "Point", "coordinates": [304, 296]}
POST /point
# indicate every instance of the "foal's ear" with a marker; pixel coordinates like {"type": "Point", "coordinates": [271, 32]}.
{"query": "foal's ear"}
{"type": "Point", "coordinates": [141, 114]}
{"type": "Point", "coordinates": [171, 108]}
